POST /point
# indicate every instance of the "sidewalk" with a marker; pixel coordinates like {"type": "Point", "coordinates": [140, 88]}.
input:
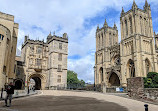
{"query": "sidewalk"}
{"type": "Point", "coordinates": [18, 94]}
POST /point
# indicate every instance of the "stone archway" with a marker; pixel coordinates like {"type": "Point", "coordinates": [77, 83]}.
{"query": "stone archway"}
{"type": "Point", "coordinates": [39, 80]}
{"type": "Point", "coordinates": [114, 80]}
{"type": "Point", "coordinates": [18, 84]}
{"type": "Point", "coordinates": [37, 83]}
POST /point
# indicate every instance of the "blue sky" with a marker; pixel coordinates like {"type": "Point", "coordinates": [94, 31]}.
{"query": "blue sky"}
{"type": "Point", "coordinates": [78, 18]}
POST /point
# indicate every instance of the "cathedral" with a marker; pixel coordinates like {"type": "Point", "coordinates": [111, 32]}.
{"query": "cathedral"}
{"type": "Point", "coordinates": [134, 56]}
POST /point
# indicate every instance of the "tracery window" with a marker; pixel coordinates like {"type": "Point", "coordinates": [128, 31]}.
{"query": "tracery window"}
{"type": "Point", "coordinates": [126, 27]}
{"type": "Point", "coordinates": [147, 65]}
{"type": "Point", "coordinates": [131, 28]}
{"type": "Point", "coordinates": [131, 68]}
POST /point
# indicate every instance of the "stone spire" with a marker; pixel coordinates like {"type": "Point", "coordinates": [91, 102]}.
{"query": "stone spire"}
{"type": "Point", "coordinates": [50, 34]}
{"type": "Point", "coordinates": [134, 6]}
{"type": "Point", "coordinates": [146, 6]}
{"type": "Point", "coordinates": [122, 13]}
{"type": "Point", "coordinates": [98, 27]}
{"type": "Point", "coordinates": [115, 27]}
{"type": "Point", "coordinates": [105, 24]}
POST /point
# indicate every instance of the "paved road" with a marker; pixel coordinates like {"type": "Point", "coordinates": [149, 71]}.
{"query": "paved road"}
{"type": "Point", "coordinates": [62, 103]}
{"type": "Point", "coordinates": [78, 101]}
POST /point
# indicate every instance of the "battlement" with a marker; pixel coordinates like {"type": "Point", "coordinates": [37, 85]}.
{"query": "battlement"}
{"type": "Point", "coordinates": [16, 25]}
{"type": "Point", "coordinates": [6, 16]}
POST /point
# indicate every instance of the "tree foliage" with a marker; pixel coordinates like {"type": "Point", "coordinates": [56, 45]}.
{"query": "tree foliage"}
{"type": "Point", "coordinates": [151, 81]}
{"type": "Point", "coordinates": [72, 80]}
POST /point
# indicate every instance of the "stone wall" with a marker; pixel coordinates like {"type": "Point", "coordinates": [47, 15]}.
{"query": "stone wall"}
{"type": "Point", "coordinates": [135, 88]}
{"type": "Point", "coordinates": [151, 93]}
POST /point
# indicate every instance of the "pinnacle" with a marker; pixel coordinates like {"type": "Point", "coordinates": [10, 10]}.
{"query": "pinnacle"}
{"type": "Point", "coordinates": [105, 23]}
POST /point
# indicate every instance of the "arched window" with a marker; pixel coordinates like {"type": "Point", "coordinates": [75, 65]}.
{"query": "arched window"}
{"type": "Point", "coordinates": [101, 74]}
{"type": "Point", "coordinates": [110, 40]}
{"type": "Point", "coordinates": [126, 27]}
{"type": "Point", "coordinates": [145, 26]}
{"type": "Point", "coordinates": [131, 68]}
{"type": "Point", "coordinates": [141, 24]}
{"type": "Point", "coordinates": [131, 28]}
{"type": "Point", "coordinates": [147, 65]}
{"type": "Point", "coordinates": [99, 41]}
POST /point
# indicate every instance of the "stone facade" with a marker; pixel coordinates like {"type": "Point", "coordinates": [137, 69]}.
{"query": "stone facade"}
{"type": "Point", "coordinates": [8, 42]}
{"type": "Point", "coordinates": [134, 56]}
{"type": "Point", "coordinates": [45, 62]}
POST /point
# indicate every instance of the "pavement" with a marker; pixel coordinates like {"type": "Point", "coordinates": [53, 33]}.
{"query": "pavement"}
{"type": "Point", "coordinates": [55, 100]}
{"type": "Point", "coordinates": [18, 94]}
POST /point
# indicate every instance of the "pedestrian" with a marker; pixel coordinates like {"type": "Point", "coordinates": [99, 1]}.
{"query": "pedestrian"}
{"type": "Point", "coordinates": [10, 92]}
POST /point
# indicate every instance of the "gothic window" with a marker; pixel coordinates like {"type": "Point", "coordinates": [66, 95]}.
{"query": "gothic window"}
{"type": "Point", "coordinates": [59, 79]}
{"type": "Point", "coordinates": [145, 26]}
{"type": "Point", "coordinates": [141, 24]}
{"type": "Point", "coordinates": [126, 27]}
{"type": "Point", "coordinates": [1, 37]}
{"type": "Point", "coordinates": [147, 65]}
{"type": "Point", "coordinates": [131, 28]}
{"type": "Point", "coordinates": [99, 41]}
{"type": "Point", "coordinates": [102, 39]}
{"type": "Point", "coordinates": [110, 41]}
{"type": "Point", "coordinates": [60, 45]}
{"type": "Point", "coordinates": [60, 57]}
{"type": "Point", "coordinates": [101, 74]}
{"type": "Point", "coordinates": [117, 61]}
{"type": "Point", "coordinates": [131, 68]}
{"type": "Point", "coordinates": [4, 69]}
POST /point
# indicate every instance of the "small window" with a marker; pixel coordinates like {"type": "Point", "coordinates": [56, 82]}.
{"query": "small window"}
{"type": "Point", "coordinates": [60, 45]}
{"type": "Point", "coordinates": [4, 69]}
{"type": "Point", "coordinates": [38, 62]}
{"type": "Point", "coordinates": [60, 57]}
{"type": "Point", "coordinates": [39, 50]}
{"type": "Point", "coordinates": [0, 36]}
{"type": "Point", "coordinates": [59, 68]}
{"type": "Point", "coordinates": [59, 79]}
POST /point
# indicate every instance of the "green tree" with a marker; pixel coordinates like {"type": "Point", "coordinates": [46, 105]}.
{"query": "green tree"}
{"type": "Point", "coordinates": [151, 81]}
{"type": "Point", "coordinates": [72, 81]}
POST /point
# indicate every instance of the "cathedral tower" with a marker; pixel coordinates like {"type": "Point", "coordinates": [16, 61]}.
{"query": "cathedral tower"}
{"type": "Point", "coordinates": [137, 42]}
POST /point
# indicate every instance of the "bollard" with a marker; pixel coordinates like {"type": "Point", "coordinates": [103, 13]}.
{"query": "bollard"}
{"type": "Point", "coordinates": [2, 93]}
{"type": "Point", "coordinates": [146, 107]}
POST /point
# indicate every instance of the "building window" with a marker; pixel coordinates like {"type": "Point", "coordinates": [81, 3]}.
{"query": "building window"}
{"type": "Point", "coordinates": [4, 69]}
{"type": "Point", "coordinates": [1, 37]}
{"type": "Point", "coordinates": [39, 50]}
{"type": "Point", "coordinates": [60, 57]}
{"type": "Point", "coordinates": [131, 30]}
{"type": "Point", "coordinates": [59, 79]}
{"type": "Point", "coordinates": [38, 62]}
{"type": "Point", "coordinates": [126, 27]}
{"type": "Point", "coordinates": [60, 45]}
{"type": "Point", "coordinates": [59, 68]}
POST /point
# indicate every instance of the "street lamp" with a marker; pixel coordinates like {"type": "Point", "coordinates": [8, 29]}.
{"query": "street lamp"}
{"type": "Point", "coordinates": [94, 77]}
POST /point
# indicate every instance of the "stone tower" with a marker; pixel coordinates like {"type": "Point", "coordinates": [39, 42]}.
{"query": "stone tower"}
{"type": "Point", "coordinates": [134, 56]}
{"type": "Point", "coordinates": [137, 49]}
{"type": "Point", "coordinates": [8, 42]}
{"type": "Point", "coordinates": [46, 62]}
{"type": "Point", "coordinates": [106, 37]}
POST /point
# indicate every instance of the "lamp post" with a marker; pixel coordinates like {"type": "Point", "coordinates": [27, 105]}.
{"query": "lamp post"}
{"type": "Point", "coordinates": [94, 77]}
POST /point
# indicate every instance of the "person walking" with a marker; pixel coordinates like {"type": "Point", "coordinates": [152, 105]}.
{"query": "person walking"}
{"type": "Point", "coordinates": [10, 92]}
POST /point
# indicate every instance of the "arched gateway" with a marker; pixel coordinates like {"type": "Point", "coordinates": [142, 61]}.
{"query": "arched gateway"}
{"type": "Point", "coordinates": [114, 79]}
{"type": "Point", "coordinates": [39, 79]}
